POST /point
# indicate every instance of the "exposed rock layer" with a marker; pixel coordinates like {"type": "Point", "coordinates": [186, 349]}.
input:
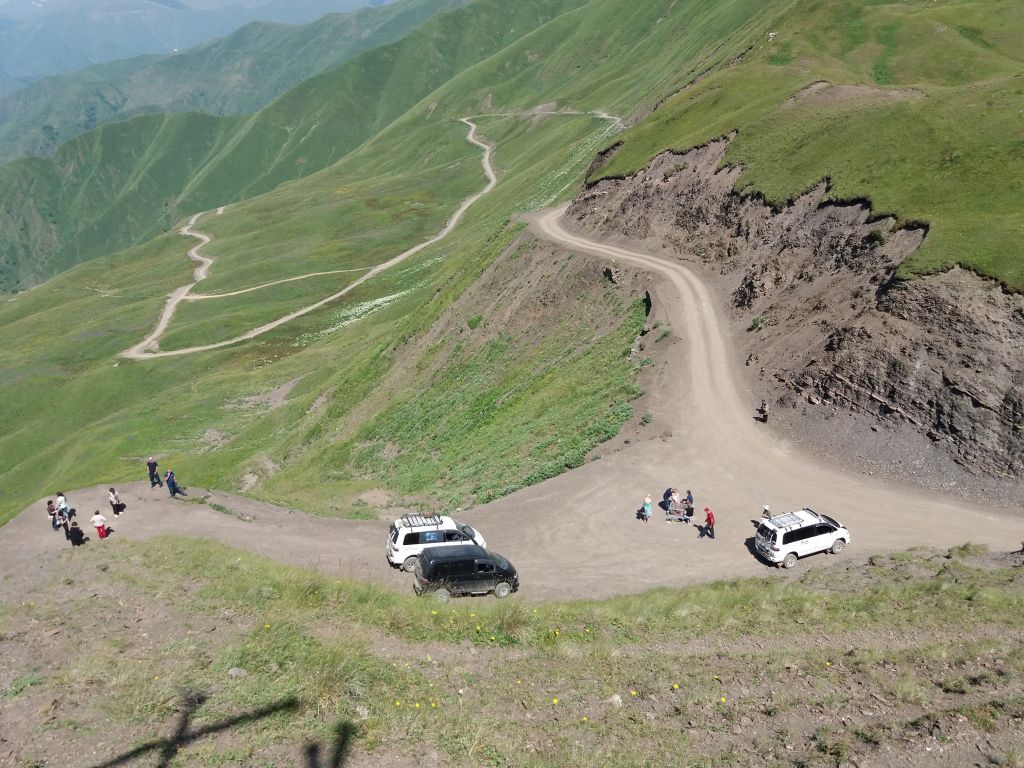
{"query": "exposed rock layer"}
{"type": "Point", "coordinates": [814, 287]}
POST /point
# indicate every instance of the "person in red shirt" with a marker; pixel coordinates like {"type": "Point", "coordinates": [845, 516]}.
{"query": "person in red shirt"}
{"type": "Point", "coordinates": [709, 523]}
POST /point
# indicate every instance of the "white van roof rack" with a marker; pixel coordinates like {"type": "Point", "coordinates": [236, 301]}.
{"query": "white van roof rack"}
{"type": "Point", "coordinates": [786, 520]}
{"type": "Point", "coordinates": [410, 521]}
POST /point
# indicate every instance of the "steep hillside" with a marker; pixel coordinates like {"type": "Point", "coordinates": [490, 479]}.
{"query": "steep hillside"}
{"type": "Point", "coordinates": [336, 429]}
{"type": "Point", "coordinates": [121, 182]}
{"type": "Point", "coordinates": [237, 74]}
{"type": "Point", "coordinates": [862, 212]}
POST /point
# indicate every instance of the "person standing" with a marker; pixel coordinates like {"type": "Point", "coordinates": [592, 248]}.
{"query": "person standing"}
{"type": "Point", "coordinates": [100, 522]}
{"type": "Point", "coordinates": [62, 522]}
{"type": "Point", "coordinates": [154, 473]}
{"type": "Point", "coordinates": [115, 502]}
{"type": "Point", "coordinates": [709, 523]}
{"type": "Point", "coordinates": [51, 510]}
{"type": "Point", "coordinates": [172, 484]}
{"type": "Point", "coordinates": [648, 508]}
{"type": "Point", "coordinates": [62, 503]}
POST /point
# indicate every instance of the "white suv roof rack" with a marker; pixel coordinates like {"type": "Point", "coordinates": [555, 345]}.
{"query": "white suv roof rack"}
{"type": "Point", "coordinates": [411, 521]}
{"type": "Point", "coordinates": [790, 519]}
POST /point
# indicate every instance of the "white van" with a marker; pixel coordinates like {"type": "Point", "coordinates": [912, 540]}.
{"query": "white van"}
{"type": "Point", "coordinates": [411, 534]}
{"type": "Point", "coordinates": [784, 538]}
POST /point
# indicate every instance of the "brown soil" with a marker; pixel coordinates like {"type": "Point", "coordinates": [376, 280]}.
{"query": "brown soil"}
{"type": "Point", "coordinates": [918, 379]}
{"type": "Point", "coordinates": [825, 94]}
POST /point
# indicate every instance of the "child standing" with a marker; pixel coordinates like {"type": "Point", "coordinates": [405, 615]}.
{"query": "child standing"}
{"type": "Point", "coordinates": [100, 522]}
{"type": "Point", "coordinates": [648, 508]}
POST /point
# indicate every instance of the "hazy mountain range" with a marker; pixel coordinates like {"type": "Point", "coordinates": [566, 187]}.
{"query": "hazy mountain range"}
{"type": "Point", "coordinates": [40, 37]}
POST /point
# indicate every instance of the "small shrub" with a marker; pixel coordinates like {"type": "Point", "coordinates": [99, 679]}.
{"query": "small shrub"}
{"type": "Point", "coordinates": [756, 324]}
{"type": "Point", "coordinates": [474, 321]}
{"type": "Point", "coordinates": [663, 335]}
{"type": "Point", "coordinates": [645, 361]}
{"type": "Point", "coordinates": [646, 419]}
{"type": "Point", "coordinates": [19, 684]}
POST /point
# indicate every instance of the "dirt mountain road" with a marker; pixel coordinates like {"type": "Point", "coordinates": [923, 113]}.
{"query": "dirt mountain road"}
{"type": "Point", "coordinates": [149, 347]}
{"type": "Point", "coordinates": [576, 535]}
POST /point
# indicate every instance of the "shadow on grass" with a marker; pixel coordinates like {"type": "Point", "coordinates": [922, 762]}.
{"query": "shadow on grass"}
{"type": "Point", "coordinates": [167, 749]}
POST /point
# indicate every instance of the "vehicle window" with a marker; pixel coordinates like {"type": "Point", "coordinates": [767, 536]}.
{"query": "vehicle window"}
{"type": "Point", "coordinates": [824, 529]}
{"type": "Point", "coordinates": [468, 532]}
{"type": "Point", "coordinates": [393, 533]}
{"type": "Point", "coordinates": [764, 531]}
{"type": "Point", "coordinates": [453, 536]}
{"type": "Point", "coordinates": [431, 537]}
{"type": "Point", "coordinates": [411, 538]}
{"type": "Point", "coordinates": [461, 567]}
{"type": "Point", "coordinates": [799, 534]}
{"type": "Point", "coordinates": [485, 567]}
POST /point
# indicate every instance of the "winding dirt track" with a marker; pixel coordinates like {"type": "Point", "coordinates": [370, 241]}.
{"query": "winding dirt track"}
{"type": "Point", "coordinates": [148, 348]}
{"type": "Point", "coordinates": [576, 535]}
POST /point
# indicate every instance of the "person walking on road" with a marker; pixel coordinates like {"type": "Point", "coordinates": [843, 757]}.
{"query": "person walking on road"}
{"type": "Point", "coordinates": [154, 473]}
{"type": "Point", "coordinates": [100, 523]}
{"type": "Point", "coordinates": [172, 484]}
{"type": "Point", "coordinates": [709, 524]}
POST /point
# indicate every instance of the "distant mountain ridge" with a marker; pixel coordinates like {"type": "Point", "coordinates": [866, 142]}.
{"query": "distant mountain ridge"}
{"type": "Point", "coordinates": [236, 74]}
{"type": "Point", "coordinates": [41, 37]}
{"type": "Point", "coordinates": [129, 181]}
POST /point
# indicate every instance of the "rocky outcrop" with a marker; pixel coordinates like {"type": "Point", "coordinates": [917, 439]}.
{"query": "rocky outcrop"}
{"type": "Point", "coordinates": [820, 312]}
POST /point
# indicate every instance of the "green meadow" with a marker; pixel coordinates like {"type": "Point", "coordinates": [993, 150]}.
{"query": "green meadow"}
{"type": "Point", "coordinates": [355, 166]}
{"type": "Point", "coordinates": [948, 153]}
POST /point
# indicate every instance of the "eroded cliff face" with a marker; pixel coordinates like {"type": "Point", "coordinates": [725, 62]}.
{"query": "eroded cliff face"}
{"type": "Point", "coordinates": [818, 310]}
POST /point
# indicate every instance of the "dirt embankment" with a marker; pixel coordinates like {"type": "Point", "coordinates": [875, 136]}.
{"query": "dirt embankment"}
{"type": "Point", "coordinates": [914, 376]}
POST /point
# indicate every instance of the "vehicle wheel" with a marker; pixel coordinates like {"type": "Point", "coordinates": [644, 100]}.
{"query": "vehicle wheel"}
{"type": "Point", "coordinates": [837, 547]}
{"type": "Point", "coordinates": [503, 590]}
{"type": "Point", "coordinates": [410, 564]}
{"type": "Point", "coordinates": [442, 595]}
{"type": "Point", "coordinates": [789, 560]}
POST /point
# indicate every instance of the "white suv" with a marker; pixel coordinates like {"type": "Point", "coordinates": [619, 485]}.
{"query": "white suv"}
{"type": "Point", "coordinates": [784, 538]}
{"type": "Point", "coordinates": [411, 534]}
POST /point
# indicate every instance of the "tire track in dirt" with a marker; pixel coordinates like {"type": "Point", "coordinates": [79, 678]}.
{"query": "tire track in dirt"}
{"type": "Point", "coordinates": [148, 348]}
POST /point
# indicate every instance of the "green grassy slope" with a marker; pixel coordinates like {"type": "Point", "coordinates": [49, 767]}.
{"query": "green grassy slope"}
{"type": "Point", "coordinates": [734, 673]}
{"type": "Point", "coordinates": [333, 452]}
{"type": "Point", "coordinates": [361, 382]}
{"type": "Point", "coordinates": [237, 74]}
{"type": "Point", "coordinates": [126, 181]}
{"type": "Point", "coordinates": [950, 153]}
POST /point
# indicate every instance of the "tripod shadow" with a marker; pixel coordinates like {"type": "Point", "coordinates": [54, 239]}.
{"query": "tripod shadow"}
{"type": "Point", "coordinates": [183, 735]}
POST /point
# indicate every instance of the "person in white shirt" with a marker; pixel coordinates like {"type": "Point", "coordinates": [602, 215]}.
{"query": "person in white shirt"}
{"type": "Point", "coordinates": [100, 522]}
{"type": "Point", "coordinates": [115, 502]}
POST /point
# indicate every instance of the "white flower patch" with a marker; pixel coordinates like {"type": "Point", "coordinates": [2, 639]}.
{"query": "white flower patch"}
{"type": "Point", "coordinates": [345, 317]}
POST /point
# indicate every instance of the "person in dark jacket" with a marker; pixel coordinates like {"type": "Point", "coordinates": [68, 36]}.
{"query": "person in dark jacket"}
{"type": "Point", "coordinates": [76, 535]}
{"type": "Point", "coordinates": [154, 473]}
{"type": "Point", "coordinates": [172, 484]}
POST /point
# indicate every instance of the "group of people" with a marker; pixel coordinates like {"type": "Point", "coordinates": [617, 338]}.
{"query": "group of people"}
{"type": "Point", "coordinates": [169, 480]}
{"type": "Point", "coordinates": [682, 507]}
{"type": "Point", "coordinates": [62, 515]}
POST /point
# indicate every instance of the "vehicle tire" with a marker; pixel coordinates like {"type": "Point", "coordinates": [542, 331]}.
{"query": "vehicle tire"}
{"type": "Point", "coordinates": [502, 590]}
{"type": "Point", "coordinates": [789, 560]}
{"type": "Point", "coordinates": [837, 546]}
{"type": "Point", "coordinates": [442, 595]}
{"type": "Point", "coordinates": [410, 564]}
